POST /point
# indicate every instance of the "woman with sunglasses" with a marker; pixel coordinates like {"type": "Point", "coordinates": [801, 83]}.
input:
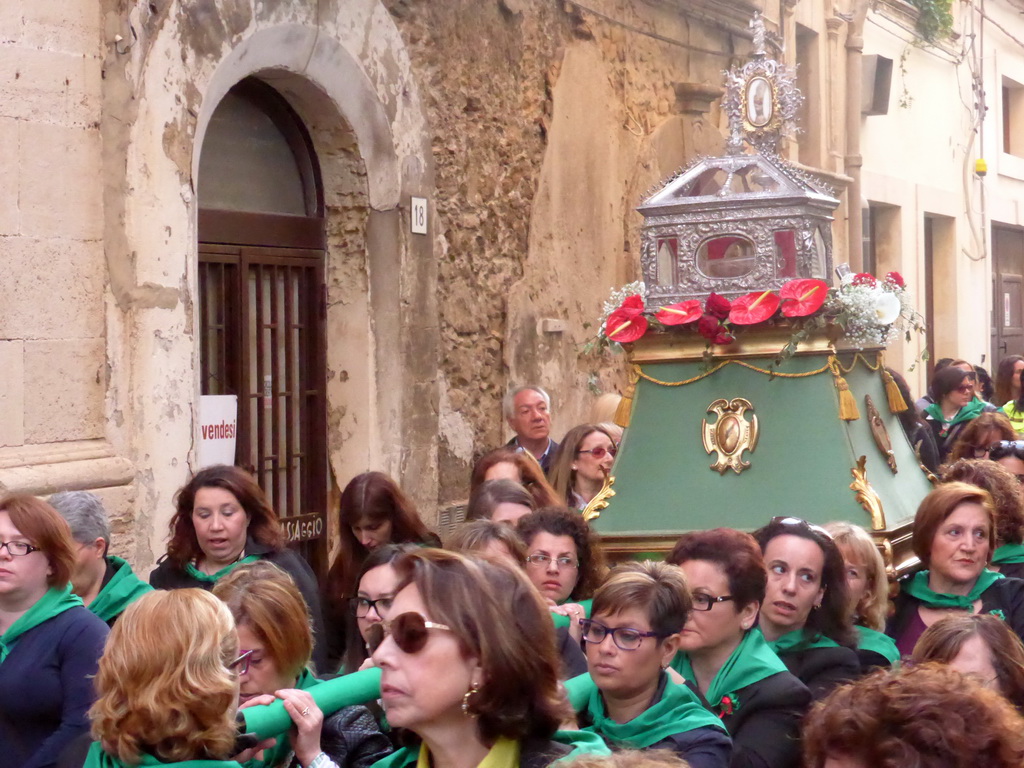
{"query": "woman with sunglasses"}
{"type": "Point", "coordinates": [49, 642]}
{"type": "Point", "coordinates": [582, 464]}
{"type": "Point", "coordinates": [725, 657]}
{"type": "Point", "coordinates": [1005, 490]}
{"type": "Point", "coordinates": [954, 536]}
{"type": "Point", "coordinates": [805, 616]}
{"type": "Point", "coordinates": [276, 643]}
{"type": "Point", "coordinates": [978, 436]}
{"type": "Point", "coordinates": [631, 640]}
{"type": "Point", "coordinates": [954, 404]}
{"type": "Point", "coordinates": [564, 561]}
{"type": "Point", "coordinates": [468, 667]}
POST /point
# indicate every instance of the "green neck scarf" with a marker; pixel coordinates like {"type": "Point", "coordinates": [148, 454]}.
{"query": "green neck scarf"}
{"type": "Point", "coordinates": [121, 591]}
{"type": "Point", "coordinates": [918, 587]}
{"type": "Point", "coordinates": [874, 641]}
{"type": "Point", "coordinates": [211, 578]}
{"type": "Point", "coordinates": [968, 412]}
{"type": "Point", "coordinates": [679, 710]}
{"type": "Point", "coordinates": [751, 661]}
{"type": "Point", "coordinates": [97, 758]}
{"type": "Point", "coordinates": [53, 603]}
{"type": "Point", "coordinates": [1008, 553]}
{"type": "Point", "coordinates": [798, 640]}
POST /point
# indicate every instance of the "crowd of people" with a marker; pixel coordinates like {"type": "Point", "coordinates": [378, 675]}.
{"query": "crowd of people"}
{"type": "Point", "coordinates": [513, 642]}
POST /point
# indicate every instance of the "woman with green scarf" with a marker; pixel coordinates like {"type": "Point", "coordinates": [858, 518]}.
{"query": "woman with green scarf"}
{"type": "Point", "coordinates": [954, 404]}
{"type": "Point", "coordinates": [49, 643]}
{"type": "Point", "coordinates": [954, 537]}
{"type": "Point", "coordinates": [167, 685]}
{"type": "Point", "coordinates": [632, 638]}
{"type": "Point", "coordinates": [272, 622]}
{"type": "Point", "coordinates": [724, 656]}
{"type": "Point", "coordinates": [223, 519]}
{"type": "Point", "coordinates": [805, 616]}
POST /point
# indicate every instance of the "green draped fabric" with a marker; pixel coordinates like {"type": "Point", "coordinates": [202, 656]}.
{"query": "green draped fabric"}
{"type": "Point", "coordinates": [917, 586]}
{"type": "Point", "coordinates": [53, 603]}
{"type": "Point", "coordinates": [1008, 553]}
{"type": "Point", "coordinates": [883, 645]}
{"type": "Point", "coordinates": [970, 411]}
{"type": "Point", "coordinates": [211, 578]}
{"type": "Point", "coordinates": [97, 758]}
{"type": "Point", "coordinates": [798, 640]}
{"type": "Point", "coordinates": [277, 754]}
{"type": "Point", "coordinates": [121, 591]}
{"type": "Point", "coordinates": [751, 661]}
{"type": "Point", "coordinates": [679, 710]}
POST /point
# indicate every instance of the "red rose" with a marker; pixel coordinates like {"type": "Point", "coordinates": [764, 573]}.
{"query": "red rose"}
{"type": "Point", "coordinates": [708, 326]}
{"type": "Point", "coordinates": [896, 279]}
{"type": "Point", "coordinates": [863, 278]}
{"type": "Point", "coordinates": [717, 306]}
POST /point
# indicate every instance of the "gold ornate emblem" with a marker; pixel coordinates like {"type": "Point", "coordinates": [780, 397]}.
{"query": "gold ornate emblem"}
{"type": "Point", "coordinates": [867, 496]}
{"type": "Point", "coordinates": [731, 434]}
{"type": "Point", "coordinates": [600, 501]}
{"type": "Point", "coordinates": [880, 433]}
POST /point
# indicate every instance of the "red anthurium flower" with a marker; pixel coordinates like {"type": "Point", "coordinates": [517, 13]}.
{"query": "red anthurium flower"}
{"type": "Point", "coordinates": [679, 314]}
{"type": "Point", "coordinates": [803, 297]}
{"type": "Point", "coordinates": [864, 278]}
{"type": "Point", "coordinates": [896, 279]}
{"type": "Point", "coordinates": [717, 306]}
{"type": "Point", "coordinates": [627, 323]}
{"type": "Point", "coordinates": [753, 308]}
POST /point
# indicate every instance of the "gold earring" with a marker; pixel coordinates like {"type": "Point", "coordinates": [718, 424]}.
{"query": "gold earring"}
{"type": "Point", "coordinates": [473, 689]}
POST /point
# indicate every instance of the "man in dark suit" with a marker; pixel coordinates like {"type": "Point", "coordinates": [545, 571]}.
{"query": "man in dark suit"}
{"type": "Point", "coordinates": [528, 412]}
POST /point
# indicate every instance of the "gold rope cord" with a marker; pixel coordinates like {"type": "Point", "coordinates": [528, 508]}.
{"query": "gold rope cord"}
{"type": "Point", "coordinates": [832, 365]}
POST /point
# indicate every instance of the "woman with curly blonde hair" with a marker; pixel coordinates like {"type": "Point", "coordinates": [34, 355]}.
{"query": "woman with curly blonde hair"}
{"type": "Point", "coordinates": [867, 586]}
{"type": "Point", "coordinates": [166, 685]}
{"type": "Point", "coordinates": [928, 716]}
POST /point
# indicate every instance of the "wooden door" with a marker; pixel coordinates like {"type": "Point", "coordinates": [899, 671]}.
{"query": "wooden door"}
{"type": "Point", "coordinates": [1007, 279]}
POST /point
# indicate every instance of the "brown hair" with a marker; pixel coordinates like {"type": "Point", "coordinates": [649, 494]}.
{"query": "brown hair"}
{"type": "Point", "coordinates": [563, 476]}
{"type": "Point", "coordinates": [265, 599]}
{"type": "Point", "coordinates": [264, 527]}
{"type": "Point", "coordinates": [943, 640]}
{"type": "Point", "coordinates": [489, 494]}
{"type": "Point", "coordinates": [996, 421]}
{"type": "Point", "coordinates": [531, 476]}
{"type": "Point", "coordinates": [1004, 376]}
{"type": "Point", "coordinates": [658, 588]}
{"type": "Point", "coordinates": [375, 498]}
{"type": "Point", "coordinates": [499, 618]}
{"type": "Point", "coordinates": [475, 535]}
{"type": "Point", "coordinates": [1001, 485]}
{"type": "Point", "coordinates": [559, 521]}
{"type": "Point", "coordinates": [856, 545]}
{"type": "Point", "coordinates": [43, 526]}
{"type": "Point", "coordinates": [630, 758]}
{"type": "Point", "coordinates": [926, 716]}
{"type": "Point", "coordinates": [735, 552]}
{"type": "Point", "coordinates": [163, 683]}
{"type": "Point", "coordinates": [949, 378]}
{"type": "Point", "coordinates": [940, 504]}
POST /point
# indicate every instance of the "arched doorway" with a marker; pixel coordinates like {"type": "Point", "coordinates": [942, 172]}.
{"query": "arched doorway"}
{"type": "Point", "coordinates": [262, 300]}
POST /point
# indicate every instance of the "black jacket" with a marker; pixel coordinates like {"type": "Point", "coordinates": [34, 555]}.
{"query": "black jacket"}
{"type": "Point", "coordinates": [167, 575]}
{"type": "Point", "coordinates": [765, 727]}
{"type": "Point", "coordinates": [546, 459]}
{"type": "Point", "coordinates": [1005, 595]}
{"type": "Point", "coordinates": [822, 669]}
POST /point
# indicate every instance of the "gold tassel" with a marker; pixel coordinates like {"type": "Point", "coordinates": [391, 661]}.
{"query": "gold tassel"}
{"type": "Point", "coordinates": [847, 404]}
{"type": "Point", "coordinates": [625, 407]}
{"type": "Point", "coordinates": [896, 402]}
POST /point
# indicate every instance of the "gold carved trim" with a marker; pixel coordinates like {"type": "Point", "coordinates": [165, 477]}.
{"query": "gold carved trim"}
{"type": "Point", "coordinates": [593, 510]}
{"type": "Point", "coordinates": [880, 433]}
{"type": "Point", "coordinates": [866, 495]}
{"type": "Point", "coordinates": [731, 434]}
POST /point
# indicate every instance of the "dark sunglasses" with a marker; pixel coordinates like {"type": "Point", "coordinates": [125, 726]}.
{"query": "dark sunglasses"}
{"type": "Point", "coordinates": [965, 389]}
{"type": "Point", "coordinates": [600, 451]}
{"type": "Point", "coordinates": [409, 631]}
{"type": "Point", "coordinates": [1005, 448]}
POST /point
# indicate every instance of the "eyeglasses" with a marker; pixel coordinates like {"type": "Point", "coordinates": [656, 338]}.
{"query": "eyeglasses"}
{"type": "Point", "coordinates": [541, 561]}
{"type": "Point", "coordinates": [600, 451]}
{"type": "Point", "coordinates": [241, 664]}
{"type": "Point", "coordinates": [18, 548]}
{"type": "Point", "coordinates": [965, 389]}
{"type": "Point", "coordinates": [980, 451]}
{"type": "Point", "coordinates": [798, 522]}
{"type": "Point", "coordinates": [702, 602]}
{"type": "Point", "coordinates": [1005, 448]}
{"type": "Point", "coordinates": [625, 638]}
{"type": "Point", "coordinates": [409, 631]}
{"type": "Point", "coordinates": [381, 605]}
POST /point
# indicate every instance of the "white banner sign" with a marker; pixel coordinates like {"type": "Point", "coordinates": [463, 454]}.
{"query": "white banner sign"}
{"type": "Point", "coordinates": [218, 425]}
